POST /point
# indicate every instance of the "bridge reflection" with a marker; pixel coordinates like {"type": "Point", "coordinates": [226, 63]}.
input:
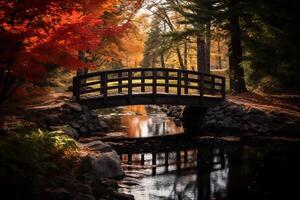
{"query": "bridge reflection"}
{"type": "Point", "coordinates": [200, 173]}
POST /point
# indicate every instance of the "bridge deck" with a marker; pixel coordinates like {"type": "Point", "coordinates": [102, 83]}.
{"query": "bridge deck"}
{"type": "Point", "coordinates": [148, 86]}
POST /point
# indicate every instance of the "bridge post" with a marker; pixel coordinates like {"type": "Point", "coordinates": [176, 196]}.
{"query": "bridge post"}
{"type": "Point", "coordinates": [120, 82]}
{"type": "Point", "coordinates": [129, 85]}
{"type": "Point", "coordinates": [178, 85]}
{"type": "Point", "coordinates": [167, 81]}
{"type": "Point", "coordinates": [154, 90]}
{"type": "Point", "coordinates": [143, 81]}
{"type": "Point", "coordinates": [186, 83]}
{"type": "Point", "coordinates": [213, 86]}
{"type": "Point", "coordinates": [223, 86]}
{"type": "Point", "coordinates": [200, 84]}
{"type": "Point", "coordinates": [104, 85]}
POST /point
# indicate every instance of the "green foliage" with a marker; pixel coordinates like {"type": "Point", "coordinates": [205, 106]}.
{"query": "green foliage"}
{"type": "Point", "coordinates": [272, 46]}
{"type": "Point", "coordinates": [27, 159]}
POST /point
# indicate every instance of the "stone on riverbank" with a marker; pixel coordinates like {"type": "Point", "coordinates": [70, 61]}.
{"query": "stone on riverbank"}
{"type": "Point", "coordinates": [105, 164]}
{"type": "Point", "coordinates": [74, 120]}
{"type": "Point", "coordinates": [230, 116]}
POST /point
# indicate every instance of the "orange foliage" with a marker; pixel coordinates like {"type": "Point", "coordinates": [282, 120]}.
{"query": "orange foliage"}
{"type": "Point", "coordinates": [34, 33]}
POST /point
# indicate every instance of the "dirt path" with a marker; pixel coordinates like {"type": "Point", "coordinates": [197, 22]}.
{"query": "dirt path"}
{"type": "Point", "coordinates": [286, 104]}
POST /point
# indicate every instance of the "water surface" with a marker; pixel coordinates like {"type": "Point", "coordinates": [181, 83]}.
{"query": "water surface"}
{"type": "Point", "coordinates": [210, 172]}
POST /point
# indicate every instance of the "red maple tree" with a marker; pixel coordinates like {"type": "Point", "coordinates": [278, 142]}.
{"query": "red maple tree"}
{"type": "Point", "coordinates": [35, 33]}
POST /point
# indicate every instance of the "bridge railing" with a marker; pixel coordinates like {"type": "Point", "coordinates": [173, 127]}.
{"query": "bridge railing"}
{"type": "Point", "coordinates": [147, 80]}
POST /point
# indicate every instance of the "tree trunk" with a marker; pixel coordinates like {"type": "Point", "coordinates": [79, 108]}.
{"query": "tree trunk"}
{"type": "Point", "coordinates": [81, 56]}
{"type": "Point", "coordinates": [180, 58]}
{"type": "Point", "coordinates": [185, 56]}
{"type": "Point", "coordinates": [208, 45]}
{"type": "Point", "coordinates": [162, 60]}
{"type": "Point", "coordinates": [201, 64]}
{"type": "Point", "coordinates": [236, 53]}
{"type": "Point", "coordinates": [219, 55]}
{"type": "Point", "coordinates": [153, 60]}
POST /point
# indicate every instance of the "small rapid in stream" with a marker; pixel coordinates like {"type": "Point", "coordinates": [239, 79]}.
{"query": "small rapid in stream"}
{"type": "Point", "coordinates": [269, 171]}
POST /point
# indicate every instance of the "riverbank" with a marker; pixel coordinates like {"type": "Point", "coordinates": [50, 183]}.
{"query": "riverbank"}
{"type": "Point", "coordinates": [239, 117]}
{"type": "Point", "coordinates": [86, 172]}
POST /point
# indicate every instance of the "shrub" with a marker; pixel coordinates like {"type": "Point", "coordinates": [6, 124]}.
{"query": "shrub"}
{"type": "Point", "coordinates": [27, 159]}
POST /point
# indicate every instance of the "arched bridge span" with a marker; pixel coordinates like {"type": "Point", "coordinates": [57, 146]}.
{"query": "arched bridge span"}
{"type": "Point", "coordinates": [137, 86]}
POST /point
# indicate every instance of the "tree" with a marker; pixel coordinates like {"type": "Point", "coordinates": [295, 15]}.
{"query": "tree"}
{"type": "Point", "coordinates": [34, 34]}
{"type": "Point", "coordinates": [271, 41]}
{"type": "Point", "coordinates": [224, 14]}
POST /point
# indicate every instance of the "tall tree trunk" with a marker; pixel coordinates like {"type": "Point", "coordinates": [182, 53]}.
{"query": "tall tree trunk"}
{"type": "Point", "coordinates": [235, 51]}
{"type": "Point", "coordinates": [153, 60]}
{"type": "Point", "coordinates": [81, 56]}
{"type": "Point", "coordinates": [201, 64]}
{"type": "Point", "coordinates": [219, 58]}
{"type": "Point", "coordinates": [208, 45]}
{"type": "Point", "coordinates": [185, 56]}
{"type": "Point", "coordinates": [162, 60]}
{"type": "Point", "coordinates": [180, 58]}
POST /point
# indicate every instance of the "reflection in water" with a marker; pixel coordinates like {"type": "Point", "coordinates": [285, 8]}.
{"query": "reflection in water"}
{"type": "Point", "coordinates": [199, 176]}
{"type": "Point", "coordinates": [140, 121]}
{"type": "Point", "coordinates": [215, 173]}
{"type": "Point", "coordinates": [234, 172]}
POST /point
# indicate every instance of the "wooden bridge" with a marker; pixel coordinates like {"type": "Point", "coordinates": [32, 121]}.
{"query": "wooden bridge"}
{"type": "Point", "coordinates": [148, 86]}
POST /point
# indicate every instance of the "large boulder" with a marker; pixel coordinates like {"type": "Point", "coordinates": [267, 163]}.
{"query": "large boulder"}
{"type": "Point", "coordinates": [102, 165]}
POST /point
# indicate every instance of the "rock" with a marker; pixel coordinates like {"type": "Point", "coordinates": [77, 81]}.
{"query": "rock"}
{"type": "Point", "coordinates": [237, 111]}
{"type": "Point", "coordinates": [83, 130]}
{"type": "Point", "coordinates": [74, 125]}
{"type": "Point", "coordinates": [98, 146]}
{"type": "Point", "coordinates": [258, 119]}
{"type": "Point", "coordinates": [237, 125]}
{"type": "Point", "coordinates": [256, 111]}
{"type": "Point", "coordinates": [67, 130]}
{"type": "Point", "coordinates": [211, 123]}
{"type": "Point", "coordinates": [81, 196]}
{"type": "Point", "coordinates": [228, 122]}
{"type": "Point", "coordinates": [85, 108]}
{"type": "Point", "coordinates": [220, 116]}
{"type": "Point", "coordinates": [105, 182]}
{"type": "Point", "coordinates": [263, 129]}
{"type": "Point", "coordinates": [103, 125]}
{"type": "Point", "coordinates": [91, 127]}
{"type": "Point", "coordinates": [122, 196]}
{"type": "Point", "coordinates": [220, 124]}
{"type": "Point", "coordinates": [53, 120]}
{"type": "Point", "coordinates": [84, 117]}
{"type": "Point", "coordinates": [246, 118]}
{"type": "Point", "coordinates": [217, 108]}
{"type": "Point", "coordinates": [102, 165]}
{"type": "Point", "coordinates": [72, 106]}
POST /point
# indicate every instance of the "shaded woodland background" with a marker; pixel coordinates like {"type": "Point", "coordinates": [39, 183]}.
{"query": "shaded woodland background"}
{"type": "Point", "coordinates": [254, 44]}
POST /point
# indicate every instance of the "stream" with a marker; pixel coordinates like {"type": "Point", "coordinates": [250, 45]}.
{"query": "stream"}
{"type": "Point", "coordinates": [215, 172]}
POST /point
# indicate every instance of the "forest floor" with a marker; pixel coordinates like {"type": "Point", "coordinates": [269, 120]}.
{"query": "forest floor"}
{"type": "Point", "coordinates": [280, 103]}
